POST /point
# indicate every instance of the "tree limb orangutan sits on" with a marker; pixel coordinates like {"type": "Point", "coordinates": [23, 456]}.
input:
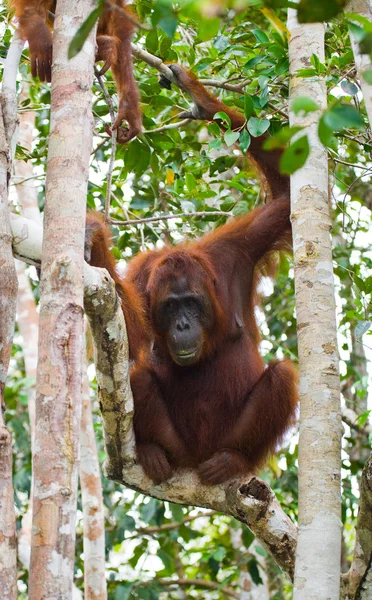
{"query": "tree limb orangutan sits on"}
{"type": "Point", "coordinates": [114, 35]}
{"type": "Point", "coordinates": [203, 397]}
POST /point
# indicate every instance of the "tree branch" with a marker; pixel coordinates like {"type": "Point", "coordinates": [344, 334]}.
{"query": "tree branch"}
{"type": "Point", "coordinates": [211, 213]}
{"type": "Point", "coordinates": [351, 419]}
{"type": "Point", "coordinates": [198, 583]}
{"type": "Point", "coordinates": [250, 500]}
{"type": "Point", "coordinates": [140, 531]}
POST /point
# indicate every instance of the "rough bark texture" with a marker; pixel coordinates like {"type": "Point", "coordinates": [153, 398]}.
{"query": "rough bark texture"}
{"type": "Point", "coordinates": [91, 490]}
{"type": "Point", "coordinates": [317, 573]}
{"type": "Point", "coordinates": [363, 62]}
{"type": "Point", "coordinates": [8, 297]}
{"type": "Point", "coordinates": [58, 399]}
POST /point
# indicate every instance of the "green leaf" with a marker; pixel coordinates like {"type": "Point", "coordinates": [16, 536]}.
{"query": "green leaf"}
{"type": "Point", "coordinates": [364, 21]}
{"type": "Point", "coordinates": [208, 29]}
{"type": "Point", "coordinates": [260, 36]}
{"type": "Point", "coordinates": [295, 156]}
{"type": "Point", "coordinates": [257, 127]}
{"type": "Point", "coordinates": [349, 87]}
{"type": "Point", "coordinates": [319, 66]}
{"type": "Point", "coordinates": [148, 510]}
{"type": "Point", "coordinates": [129, 523]}
{"type": "Point", "coordinates": [304, 104]}
{"type": "Point", "coordinates": [224, 118]}
{"type": "Point", "coordinates": [177, 512]}
{"type": "Point", "coordinates": [244, 141]}
{"type": "Point", "coordinates": [362, 328]}
{"type": "Point", "coordinates": [190, 182]}
{"type": "Point", "coordinates": [165, 17]}
{"type": "Point", "coordinates": [362, 419]}
{"type": "Point", "coordinates": [165, 45]}
{"type": "Point", "coordinates": [165, 559]}
{"type": "Point", "coordinates": [248, 106]}
{"type": "Point", "coordinates": [359, 283]}
{"type": "Point", "coordinates": [214, 129]}
{"type": "Point", "coordinates": [343, 116]}
{"type": "Point", "coordinates": [325, 133]}
{"type": "Point", "coordinates": [219, 554]}
{"type": "Point", "coordinates": [314, 11]}
{"type": "Point", "coordinates": [123, 591]}
{"type": "Point", "coordinates": [306, 73]}
{"type": "Point", "coordinates": [281, 138]}
{"type": "Point", "coordinates": [247, 537]}
{"type": "Point", "coordinates": [254, 572]}
{"type": "Point", "coordinates": [356, 31]}
{"type": "Point", "coordinates": [83, 32]}
{"type": "Point", "coordinates": [152, 41]}
{"type": "Point", "coordinates": [231, 137]}
{"type": "Point", "coordinates": [215, 145]}
{"type": "Point", "coordinates": [253, 62]}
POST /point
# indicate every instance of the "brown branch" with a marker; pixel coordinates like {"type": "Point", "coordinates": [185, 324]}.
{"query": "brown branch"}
{"type": "Point", "coordinates": [170, 526]}
{"type": "Point", "coordinates": [343, 162]}
{"type": "Point", "coordinates": [199, 583]}
{"type": "Point", "coordinates": [225, 85]}
{"type": "Point", "coordinates": [211, 213]}
{"type": "Point", "coordinates": [170, 126]}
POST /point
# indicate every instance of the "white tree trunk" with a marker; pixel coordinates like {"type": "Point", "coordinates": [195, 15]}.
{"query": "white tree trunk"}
{"type": "Point", "coordinates": [8, 298]}
{"type": "Point", "coordinates": [58, 398]}
{"type": "Point", "coordinates": [363, 62]}
{"type": "Point", "coordinates": [317, 569]}
{"type": "Point", "coordinates": [91, 491]}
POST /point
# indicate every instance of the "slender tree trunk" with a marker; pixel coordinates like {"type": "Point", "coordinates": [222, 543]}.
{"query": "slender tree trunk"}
{"type": "Point", "coordinates": [91, 490]}
{"type": "Point", "coordinates": [58, 398]}
{"type": "Point", "coordinates": [317, 570]}
{"type": "Point", "coordinates": [8, 298]}
{"type": "Point", "coordinates": [363, 62]}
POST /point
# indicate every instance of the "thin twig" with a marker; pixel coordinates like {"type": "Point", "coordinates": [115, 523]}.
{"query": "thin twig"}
{"type": "Point", "coordinates": [198, 583]}
{"type": "Point", "coordinates": [113, 145]}
{"type": "Point", "coordinates": [212, 213]}
{"type": "Point", "coordinates": [170, 126]}
{"type": "Point", "coordinates": [349, 189]}
{"type": "Point", "coordinates": [170, 526]}
{"type": "Point", "coordinates": [99, 146]}
{"type": "Point", "coordinates": [22, 181]}
{"type": "Point", "coordinates": [343, 162]}
{"type": "Point", "coordinates": [225, 85]}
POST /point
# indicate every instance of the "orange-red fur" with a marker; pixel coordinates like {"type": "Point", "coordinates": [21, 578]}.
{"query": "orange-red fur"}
{"type": "Point", "coordinates": [226, 413]}
{"type": "Point", "coordinates": [114, 48]}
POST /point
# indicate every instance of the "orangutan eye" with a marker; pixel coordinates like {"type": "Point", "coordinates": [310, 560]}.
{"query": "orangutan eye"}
{"type": "Point", "coordinates": [170, 305]}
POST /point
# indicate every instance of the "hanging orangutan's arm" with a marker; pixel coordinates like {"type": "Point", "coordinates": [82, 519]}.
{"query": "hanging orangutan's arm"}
{"type": "Point", "coordinates": [205, 106]}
